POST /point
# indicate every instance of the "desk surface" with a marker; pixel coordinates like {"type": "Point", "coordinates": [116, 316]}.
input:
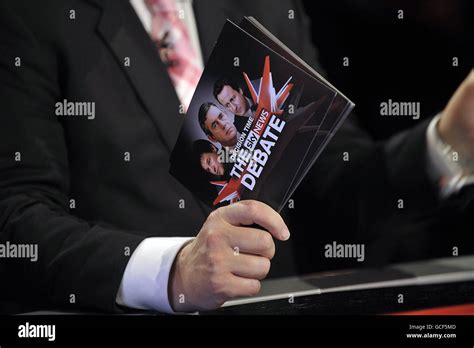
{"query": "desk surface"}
{"type": "Point", "coordinates": [361, 302]}
{"type": "Point", "coordinates": [396, 288]}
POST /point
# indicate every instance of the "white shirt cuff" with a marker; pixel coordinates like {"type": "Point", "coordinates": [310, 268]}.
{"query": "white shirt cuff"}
{"type": "Point", "coordinates": [442, 168]}
{"type": "Point", "coordinates": [145, 280]}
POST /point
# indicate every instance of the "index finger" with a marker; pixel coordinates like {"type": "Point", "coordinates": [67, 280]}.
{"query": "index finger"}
{"type": "Point", "coordinates": [250, 212]}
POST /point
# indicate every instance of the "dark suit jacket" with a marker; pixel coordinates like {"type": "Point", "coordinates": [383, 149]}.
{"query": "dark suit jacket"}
{"type": "Point", "coordinates": [84, 244]}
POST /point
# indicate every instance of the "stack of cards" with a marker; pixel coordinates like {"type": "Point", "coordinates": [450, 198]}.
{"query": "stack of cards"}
{"type": "Point", "coordinates": [259, 119]}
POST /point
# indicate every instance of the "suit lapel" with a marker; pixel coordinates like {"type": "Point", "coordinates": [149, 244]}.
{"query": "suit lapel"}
{"type": "Point", "coordinates": [210, 16]}
{"type": "Point", "coordinates": [467, 200]}
{"type": "Point", "coordinates": [124, 34]}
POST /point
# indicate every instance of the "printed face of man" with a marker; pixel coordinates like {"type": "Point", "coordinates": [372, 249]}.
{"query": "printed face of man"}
{"type": "Point", "coordinates": [211, 164]}
{"type": "Point", "coordinates": [221, 127]}
{"type": "Point", "coordinates": [233, 100]}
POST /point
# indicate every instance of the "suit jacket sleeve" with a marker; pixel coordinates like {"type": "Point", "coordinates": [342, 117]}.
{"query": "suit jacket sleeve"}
{"type": "Point", "coordinates": [80, 264]}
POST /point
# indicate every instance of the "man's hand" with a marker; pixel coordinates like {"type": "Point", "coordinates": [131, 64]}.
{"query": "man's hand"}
{"type": "Point", "coordinates": [228, 258]}
{"type": "Point", "coordinates": [456, 126]}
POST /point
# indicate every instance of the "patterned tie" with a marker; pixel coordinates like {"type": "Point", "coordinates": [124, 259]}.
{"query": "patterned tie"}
{"type": "Point", "coordinates": [175, 48]}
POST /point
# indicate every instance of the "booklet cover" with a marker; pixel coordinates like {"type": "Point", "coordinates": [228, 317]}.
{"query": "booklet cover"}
{"type": "Point", "coordinates": [258, 120]}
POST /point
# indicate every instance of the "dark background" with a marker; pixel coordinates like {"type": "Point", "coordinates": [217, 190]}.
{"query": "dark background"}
{"type": "Point", "coordinates": [405, 60]}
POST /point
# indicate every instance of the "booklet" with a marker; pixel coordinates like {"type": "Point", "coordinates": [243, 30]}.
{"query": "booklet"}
{"type": "Point", "coordinates": [257, 122]}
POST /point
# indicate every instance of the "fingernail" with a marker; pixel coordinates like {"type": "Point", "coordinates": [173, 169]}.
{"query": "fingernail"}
{"type": "Point", "coordinates": [286, 234]}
